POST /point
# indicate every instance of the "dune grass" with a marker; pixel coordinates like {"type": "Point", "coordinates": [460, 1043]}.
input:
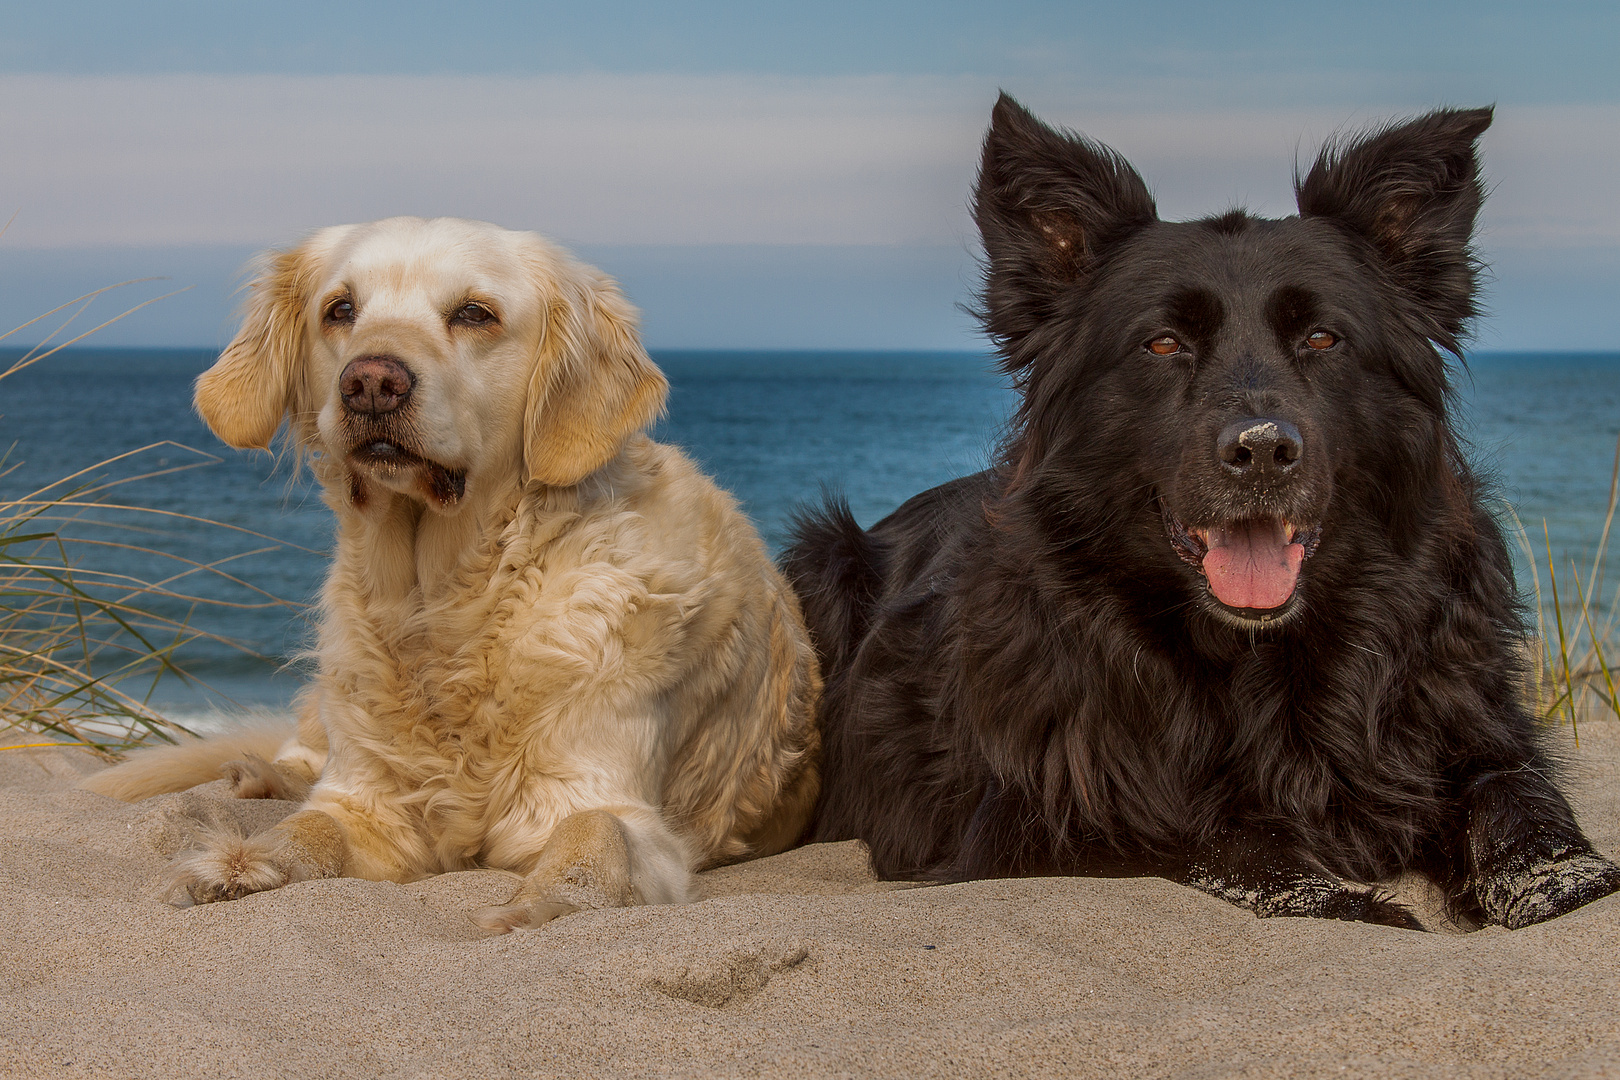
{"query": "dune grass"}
{"type": "Point", "coordinates": [1576, 629]}
{"type": "Point", "coordinates": [83, 649]}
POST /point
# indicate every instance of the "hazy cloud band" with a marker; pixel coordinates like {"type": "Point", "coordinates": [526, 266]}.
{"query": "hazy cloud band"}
{"type": "Point", "coordinates": [640, 159]}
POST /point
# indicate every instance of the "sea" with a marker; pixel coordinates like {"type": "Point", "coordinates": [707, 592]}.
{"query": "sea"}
{"type": "Point", "coordinates": [244, 540]}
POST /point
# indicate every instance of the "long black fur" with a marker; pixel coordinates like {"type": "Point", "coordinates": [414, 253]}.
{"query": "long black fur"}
{"type": "Point", "coordinates": [1027, 671]}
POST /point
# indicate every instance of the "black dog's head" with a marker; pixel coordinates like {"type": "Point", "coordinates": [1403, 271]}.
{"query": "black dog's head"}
{"type": "Point", "coordinates": [1236, 406]}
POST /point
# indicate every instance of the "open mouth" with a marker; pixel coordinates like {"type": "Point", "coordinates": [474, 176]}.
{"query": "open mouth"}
{"type": "Point", "coordinates": [384, 454]}
{"type": "Point", "coordinates": [381, 452]}
{"type": "Point", "coordinates": [1252, 564]}
{"type": "Point", "coordinates": [442, 484]}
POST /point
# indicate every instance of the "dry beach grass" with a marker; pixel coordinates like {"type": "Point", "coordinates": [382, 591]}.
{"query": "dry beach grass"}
{"type": "Point", "coordinates": [82, 643]}
{"type": "Point", "coordinates": [1576, 628]}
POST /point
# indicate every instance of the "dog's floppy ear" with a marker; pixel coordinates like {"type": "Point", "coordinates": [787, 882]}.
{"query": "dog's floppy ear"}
{"type": "Point", "coordinates": [1046, 203]}
{"type": "Point", "coordinates": [593, 385]}
{"type": "Point", "coordinates": [1412, 190]}
{"type": "Point", "coordinates": [252, 385]}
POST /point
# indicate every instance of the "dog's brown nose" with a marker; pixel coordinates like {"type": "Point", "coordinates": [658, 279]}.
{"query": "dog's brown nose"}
{"type": "Point", "coordinates": [374, 385]}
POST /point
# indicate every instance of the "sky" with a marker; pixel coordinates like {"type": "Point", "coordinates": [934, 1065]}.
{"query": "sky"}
{"type": "Point", "coordinates": [756, 175]}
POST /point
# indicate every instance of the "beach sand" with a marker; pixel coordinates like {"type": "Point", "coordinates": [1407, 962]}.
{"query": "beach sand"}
{"type": "Point", "coordinates": [798, 965]}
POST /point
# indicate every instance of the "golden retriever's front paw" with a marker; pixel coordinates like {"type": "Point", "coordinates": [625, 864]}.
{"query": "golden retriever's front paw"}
{"type": "Point", "coordinates": [503, 918]}
{"type": "Point", "coordinates": [224, 868]}
{"type": "Point", "coordinates": [584, 866]}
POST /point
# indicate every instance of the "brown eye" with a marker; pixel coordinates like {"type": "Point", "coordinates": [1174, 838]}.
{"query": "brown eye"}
{"type": "Point", "coordinates": [1321, 340]}
{"type": "Point", "coordinates": [473, 315]}
{"type": "Point", "coordinates": [340, 310]}
{"type": "Point", "coordinates": [1164, 346]}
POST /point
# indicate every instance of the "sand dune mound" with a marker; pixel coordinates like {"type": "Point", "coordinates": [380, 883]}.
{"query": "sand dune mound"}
{"type": "Point", "coordinates": [798, 965]}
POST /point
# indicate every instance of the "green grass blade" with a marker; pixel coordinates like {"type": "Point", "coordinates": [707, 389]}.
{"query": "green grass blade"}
{"type": "Point", "coordinates": [1543, 657]}
{"type": "Point", "coordinates": [1563, 643]}
{"type": "Point", "coordinates": [1597, 644]}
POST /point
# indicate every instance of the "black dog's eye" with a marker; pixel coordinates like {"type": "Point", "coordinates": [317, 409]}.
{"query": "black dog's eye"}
{"type": "Point", "coordinates": [473, 314]}
{"type": "Point", "coordinates": [1163, 346]}
{"type": "Point", "coordinates": [340, 310]}
{"type": "Point", "coordinates": [1321, 340]}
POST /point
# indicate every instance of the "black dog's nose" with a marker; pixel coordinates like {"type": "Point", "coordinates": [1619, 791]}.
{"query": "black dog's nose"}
{"type": "Point", "coordinates": [1259, 448]}
{"type": "Point", "coordinates": [375, 385]}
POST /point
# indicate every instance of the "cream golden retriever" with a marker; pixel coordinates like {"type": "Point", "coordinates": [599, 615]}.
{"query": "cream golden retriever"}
{"type": "Point", "coordinates": [547, 643]}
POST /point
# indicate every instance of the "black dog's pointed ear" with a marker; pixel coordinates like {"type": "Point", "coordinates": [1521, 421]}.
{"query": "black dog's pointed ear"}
{"type": "Point", "coordinates": [1047, 203]}
{"type": "Point", "coordinates": [1413, 190]}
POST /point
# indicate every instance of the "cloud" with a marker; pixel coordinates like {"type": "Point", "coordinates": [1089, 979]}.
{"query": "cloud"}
{"type": "Point", "coordinates": [1553, 175]}
{"type": "Point", "coordinates": [825, 211]}
{"type": "Point", "coordinates": [663, 159]}
{"type": "Point", "coordinates": [600, 159]}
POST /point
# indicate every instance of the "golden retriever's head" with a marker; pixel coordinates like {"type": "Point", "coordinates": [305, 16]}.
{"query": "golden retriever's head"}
{"type": "Point", "coordinates": [431, 357]}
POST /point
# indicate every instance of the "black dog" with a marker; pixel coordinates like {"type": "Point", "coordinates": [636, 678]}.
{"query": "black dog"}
{"type": "Point", "coordinates": [1229, 608]}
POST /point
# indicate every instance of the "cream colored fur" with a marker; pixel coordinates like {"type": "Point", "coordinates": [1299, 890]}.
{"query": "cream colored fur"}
{"type": "Point", "coordinates": [175, 768]}
{"type": "Point", "coordinates": [584, 667]}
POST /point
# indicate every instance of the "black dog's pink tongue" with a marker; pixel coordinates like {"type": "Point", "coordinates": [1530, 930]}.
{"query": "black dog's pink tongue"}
{"type": "Point", "coordinates": [1251, 564]}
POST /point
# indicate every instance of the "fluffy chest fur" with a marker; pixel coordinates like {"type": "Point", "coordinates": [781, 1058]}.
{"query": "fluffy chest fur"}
{"type": "Point", "coordinates": [493, 694]}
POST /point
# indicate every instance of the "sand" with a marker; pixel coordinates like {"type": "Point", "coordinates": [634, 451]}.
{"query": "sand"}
{"type": "Point", "coordinates": [798, 965]}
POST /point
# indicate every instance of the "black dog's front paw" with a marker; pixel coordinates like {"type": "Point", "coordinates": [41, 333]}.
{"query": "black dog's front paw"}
{"type": "Point", "coordinates": [1368, 907]}
{"type": "Point", "coordinates": [1531, 891]}
{"type": "Point", "coordinates": [1272, 894]}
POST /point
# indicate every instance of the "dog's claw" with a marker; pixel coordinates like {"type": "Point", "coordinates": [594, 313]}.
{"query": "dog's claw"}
{"type": "Point", "coordinates": [223, 867]}
{"type": "Point", "coordinates": [504, 918]}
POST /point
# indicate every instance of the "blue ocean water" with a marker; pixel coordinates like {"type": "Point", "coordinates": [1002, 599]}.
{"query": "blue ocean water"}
{"type": "Point", "coordinates": [772, 427]}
